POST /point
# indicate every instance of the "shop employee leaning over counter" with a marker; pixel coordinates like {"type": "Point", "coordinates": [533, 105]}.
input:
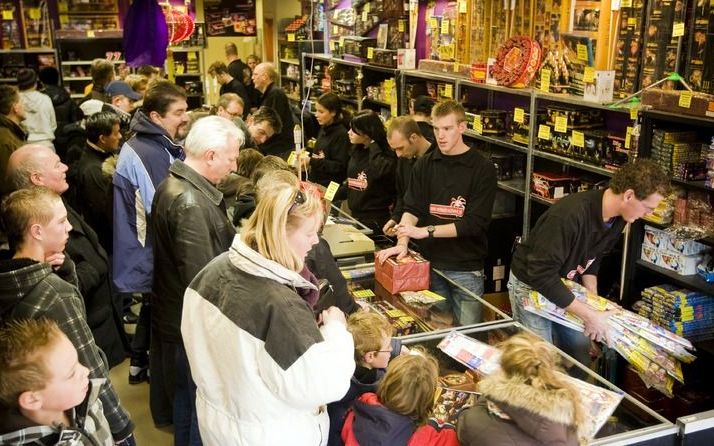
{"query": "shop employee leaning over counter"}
{"type": "Point", "coordinates": [450, 196]}
{"type": "Point", "coordinates": [569, 240]}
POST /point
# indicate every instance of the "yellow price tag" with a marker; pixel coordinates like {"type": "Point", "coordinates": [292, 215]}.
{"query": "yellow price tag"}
{"type": "Point", "coordinates": [456, 67]}
{"type": "Point", "coordinates": [628, 137]}
{"type": "Point", "coordinates": [342, 41]}
{"type": "Point", "coordinates": [90, 34]}
{"type": "Point", "coordinates": [331, 191]}
{"type": "Point", "coordinates": [632, 21]}
{"type": "Point", "coordinates": [519, 115]}
{"type": "Point", "coordinates": [582, 52]}
{"type": "Point", "coordinates": [191, 55]}
{"type": "Point", "coordinates": [370, 52]}
{"type": "Point", "coordinates": [633, 113]}
{"type": "Point", "coordinates": [368, 7]}
{"type": "Point", "coordinates": [6, 15]}
{"type": "Point", "coordinates": [685, 99]}
{"type": "Point", "coordinates": [589, 75]}
{"type": "Point", "coordinates": [449, 91]}
{"type": "Point", "coordinates": [678, 29]}
{"type": "Point", "coordinates": [363, 294]}
{"type": "Point", "coordinates": [444, 26]}
{"type": "Point", "coordinates": [62, 7]}
{"type": "Point", "coordinates": [561, 124]}
{"type": "Point", "coordinates": [64, 19]}
{"type": "Point", "coordinates": [478, 125]}
{"type": "Point", "coordinates": [401, 25]}
{"type": "Point", "coordinates": [625, 3]}
{"type": "Point", "coordinates": [577, 139]}
{"type": "Point", "coordinates": [433, 23]}
{"type": "Point", "coordinates": [34, 13]}
{"type": "Point", "coordinates": [333, 45]}
{"type": "Point", "coordinates": [545, 80]}
{"type": "Point", "coordinates": [291, 37]}
{"type": "Point", "coordinates": [462, 7]}
{"type": "Point", "coordinates": [335, 29]}
{"type": "Point", "coordinates": [291, 158]}
{"type": "Point", "coordinates": [365, 15]}
{"type": "Point", "coordinates": [544, 132]}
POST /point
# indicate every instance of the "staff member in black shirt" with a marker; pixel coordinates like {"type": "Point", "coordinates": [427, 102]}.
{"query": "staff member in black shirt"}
{"type": "Point", "coordinates": [370, 171]}
{"type": "Point", "coordinates": [265, 80]}
{"type": "Point", "coordinates": [405, 138]}
{"type": "Point", "coordinates": [332, 148]}
{"type": "Point", "coordinates": [451, 195]}
{"type": "Point", "coordinates": [568, 241]}
{"type": "Point", "coordinates": [229, 84]}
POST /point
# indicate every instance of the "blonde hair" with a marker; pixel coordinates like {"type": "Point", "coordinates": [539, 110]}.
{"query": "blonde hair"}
{"type": "Point", "coordinates": [409, 385]}
{"type": "Point", "coordinates": [24, 208]}
{"type": "Point", "coordinates": [281, 208]}
{"type": "Point", "coordinates": [22, 343]}
{"type": "Point", "coordinates": [368, 331]}
{"type": "Point", "coordinates": [531, 358]}
{"type": "Point", "coordinates": [447, 107]}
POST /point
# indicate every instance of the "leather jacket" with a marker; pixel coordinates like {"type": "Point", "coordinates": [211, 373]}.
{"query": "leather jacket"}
{"type": "Point", "coordinates": [190, 228]}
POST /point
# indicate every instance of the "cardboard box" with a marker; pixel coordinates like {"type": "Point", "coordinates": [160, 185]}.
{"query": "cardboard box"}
{"type": "Point", "coordinates": [409, 274]}
{"type": "Point", "coordinates": [498, 300]}
{"type": "Point", "coordinates": [600, 90]}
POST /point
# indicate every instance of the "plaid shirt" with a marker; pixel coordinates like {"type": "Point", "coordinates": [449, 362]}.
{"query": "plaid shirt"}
{"type": "Point", "coordinates": [33, 291]}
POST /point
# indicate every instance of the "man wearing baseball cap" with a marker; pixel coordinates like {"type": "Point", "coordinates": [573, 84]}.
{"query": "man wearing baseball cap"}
{"type": "Point", "coordinates": [121, 102]}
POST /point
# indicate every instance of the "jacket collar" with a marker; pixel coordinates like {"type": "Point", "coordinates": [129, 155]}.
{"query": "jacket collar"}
{"type": "Point", "coordinates": [248, 260]}
{"type": "Point", "coordinates": [596, 210]}
{"type": "Point", "coordinates": [14, 127]}
{"type": "Point", "coordinates": [180, 169]}
{"type": "Point", "coordinates": [141, 124]}
{"type": "Point", "coordinates": [526, 405]}
{"type": "Point", "coordinates": [467, 158]}
{"type": "Point", "coordinates": [98, 150]}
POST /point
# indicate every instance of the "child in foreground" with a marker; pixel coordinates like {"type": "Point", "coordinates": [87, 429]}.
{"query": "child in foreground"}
{"type": "Point", "coordinates": [46, 396]}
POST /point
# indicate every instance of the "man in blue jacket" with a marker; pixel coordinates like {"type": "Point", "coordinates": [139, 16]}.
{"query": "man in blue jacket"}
{"type": "Point", "coordinates": [143, 164]}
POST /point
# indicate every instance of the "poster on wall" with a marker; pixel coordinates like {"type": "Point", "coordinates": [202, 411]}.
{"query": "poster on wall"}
{"type": "Point", "coordinates": [230, 17]}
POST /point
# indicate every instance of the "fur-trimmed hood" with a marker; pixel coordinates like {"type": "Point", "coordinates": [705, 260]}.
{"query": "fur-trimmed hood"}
{"type": "Point", "coordinates": [521, 401]}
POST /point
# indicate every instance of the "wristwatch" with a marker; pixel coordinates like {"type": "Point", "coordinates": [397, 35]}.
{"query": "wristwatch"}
{"type": "Point", "coordinates": [430, 230]}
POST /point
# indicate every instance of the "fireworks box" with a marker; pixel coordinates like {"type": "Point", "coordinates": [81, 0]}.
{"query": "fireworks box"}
{"type": "Point", "coordinates": [504, 166]}
{"type": "Point", "coordinates": [552, 186]}
{"type": "Point", "coordinates": [576, 118]}
{"type": "Point", "coordinates": [674, 261]}
{"type": "Point", "coordinates": [628, 47]}
{"type": "Point", "coordinates": [409, 274]}
{"type": "Point", "coordinates": [698, 104]}
{"type": "Point", "coordinates": [356, 46]}
{"type": "Point", "coordinates": [700, 61]}
{"type": "Point", "coordinates": [494, 122]}
{"type": "Point", "coordinates": [441, 66]}
{"type": "Point", "coordinates": [384, 58]}
{"type": "Point", "coordinates": [663, 241]}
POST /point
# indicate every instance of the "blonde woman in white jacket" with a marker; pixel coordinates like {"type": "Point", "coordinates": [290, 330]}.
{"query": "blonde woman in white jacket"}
{"type": "Point", "coordinates": [263, 367]}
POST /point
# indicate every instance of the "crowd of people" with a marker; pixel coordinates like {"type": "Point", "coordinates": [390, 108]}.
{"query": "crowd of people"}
{"type": "Point", "coordinates": [128, 197]}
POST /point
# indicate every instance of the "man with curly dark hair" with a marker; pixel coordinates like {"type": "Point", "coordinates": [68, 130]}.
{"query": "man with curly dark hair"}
{"type": "Point", "coordinates": [569, 241]}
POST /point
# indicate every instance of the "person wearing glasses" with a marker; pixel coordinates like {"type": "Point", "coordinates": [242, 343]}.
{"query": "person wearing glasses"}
{"type": "Point", "coordinates": [264, 367]}
{"type": "Point", "coordinates": [569, 241]}
{"type": "Point", "coordinates": [231, 107]}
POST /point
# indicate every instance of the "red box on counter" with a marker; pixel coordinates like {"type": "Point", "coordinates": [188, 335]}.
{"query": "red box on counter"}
{"type": "Point", "coordinates": [408, 274]}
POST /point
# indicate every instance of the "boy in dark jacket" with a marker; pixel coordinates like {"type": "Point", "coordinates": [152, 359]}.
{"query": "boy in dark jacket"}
{"type": "Point", "coordinates": [47, 397]}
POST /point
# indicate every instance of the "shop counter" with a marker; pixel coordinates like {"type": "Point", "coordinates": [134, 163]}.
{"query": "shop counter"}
{"type": "Point", "coordinates": [697, 429]}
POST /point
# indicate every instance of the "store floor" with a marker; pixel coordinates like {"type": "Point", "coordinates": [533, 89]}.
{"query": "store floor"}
{"type": "Point", "coordinates": [136, 400]}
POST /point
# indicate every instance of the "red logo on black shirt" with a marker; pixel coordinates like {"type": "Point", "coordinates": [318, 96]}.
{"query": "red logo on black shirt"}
{"type": "Point", "coordinates": [359, 183]}
{"type": "Point", "coordinates": [454, 210]}
{"type": "Point", "coordinates": [580, 269]}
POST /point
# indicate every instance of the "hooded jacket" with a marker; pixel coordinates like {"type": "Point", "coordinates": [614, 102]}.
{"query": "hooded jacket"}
{"type": "Point", "coordinates": [537, 417]}
{"type": "Point", "coordinates": [29, 289]}
{"type": "Point", "coordinates": [370, 423]}
{"type": "Point", "coordinates": [143, 164]}
{"type": "Point", "coordinates": [89, 425]}
{"type": "Point", "coordinates": [40, 121]}
{"type": "Point", "coordinates": [263, 368]}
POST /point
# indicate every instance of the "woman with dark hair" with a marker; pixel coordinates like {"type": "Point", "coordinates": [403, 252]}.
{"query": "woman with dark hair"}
{"type": "Point", "coordinates": [370, 171]}
{"type": "Point", "coordinates": [331, 153]}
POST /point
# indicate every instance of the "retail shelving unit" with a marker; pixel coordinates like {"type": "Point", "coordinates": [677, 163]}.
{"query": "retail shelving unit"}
{"type": "Point", "coordinates": [12, 60]}
{"type": "Point", "coordinates": [188, 72]}
{"type": "Point", "coordinates": [289, 59]}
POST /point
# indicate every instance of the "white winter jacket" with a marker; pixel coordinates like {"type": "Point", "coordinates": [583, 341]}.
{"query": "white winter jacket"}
{"type": "Point", "coordinates": [40, 119]}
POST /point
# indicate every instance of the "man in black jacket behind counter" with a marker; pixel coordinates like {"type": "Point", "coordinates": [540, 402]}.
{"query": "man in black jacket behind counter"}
{"type": "Point", "coordinates": [264, 80]}
{"type": "Point", "coordinates": [451, 196]}
{"type": "Point", "coordinates": [569, 240]}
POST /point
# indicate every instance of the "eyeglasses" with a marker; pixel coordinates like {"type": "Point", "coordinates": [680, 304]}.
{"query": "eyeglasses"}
{"type": "Point", "coordinates": [298, 200]}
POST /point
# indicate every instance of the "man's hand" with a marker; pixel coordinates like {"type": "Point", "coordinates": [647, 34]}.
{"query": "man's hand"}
{"type": "Point", "coordinates": [319, 156]}
{"type": "Point", "coordinates": [400, 251]}
{"type": "Point", "coordinates": [596, 327]}
{"type": "Point", "coordinates": [389, 228]}
{"type": "Point", "coordinates": [412, 232]}
{"type": "Point", "coordinates": [55, 260]}
{"type": "Point", "coordinates": [333, 314]}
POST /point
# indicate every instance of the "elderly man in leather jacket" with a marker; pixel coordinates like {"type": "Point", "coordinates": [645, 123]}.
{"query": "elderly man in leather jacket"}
{"type": "Point", "coordinates": [191, 227]}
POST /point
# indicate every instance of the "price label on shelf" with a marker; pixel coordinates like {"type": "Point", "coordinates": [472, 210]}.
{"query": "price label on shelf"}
{"type": "Point", "coordinates": [90, 34]}
{"type": "Point", "coordinates": [545, 80]}
{"type": "Point", "coordinates": [678, 29]}
{"type": "Point", "coordinates": [291, 158]}
{"type": "Point", "coordinates": [625, 3]}
{"type": "Point", "coordinates": [370, 52]}
{"type": "Point", "coordinates": [291, 37]}
{"type": "Point", "coordinates": [6, 14]}
{"type": "Point", "coordinates": [685, 99]}
{"type": "Point", "coordinates": [62, 7]}
{"type": "Point", "coordinates": [544, 132]}
{"type": "Point", "coordinates": [561, 124]}
{"type": "Point", "coordinates": [449, 91]}
{"type": "Point", "coordinates": [582, 52]}
{"type": "Point", "coordinates": [331, 191]}
{"type": "Point", "coordinates": [628, 137]}
{"type": "Point", "coordinates": [434, 23]}
{"type": "Point", "coordinates": [335, 29]}
{"type": "Point", "coordinates": [632, 21]}
{"type": "Point", "coordinates": [401, 25]}
{"type": "Point", "coordinates": [363, 294]}
{"type": "Point", "coordinates": [34, 13]}
{"type": "Point", "coordinates": [63, 19]}
{"type": "Point", "coordinates": [333, 45]}
{"type": "Point", "coordinates": [589, 75]}
{"type": "Point", "coordinates": [577, 139]}
{"type": "Point", "coordinates": [518, 115]}
{"type": "Point", "coordinates": [478, 125]}
{"type": "Point", "coordinates": [444, 26]}
{"type": "Point", "coordinates": [462, 7]}
{"type": "Point", "coordinates": [191, 55]}
{"type": "Point", "coordinates": [368, 7]}
{"type": "Point", "coordinates": [456, 67]}
{"type": "Point", "coordinates": [633, 113]}
{"type": "Point", "coordinates": [365, 15]}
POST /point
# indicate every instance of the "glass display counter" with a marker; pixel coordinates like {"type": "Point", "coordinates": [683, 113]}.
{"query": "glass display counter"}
{"type": "Point", "coordinates": [632, 423]}
{"type": "Point", "coordinates": [410, 313]}
{"type": "Point", "coordinates": [697, 429]}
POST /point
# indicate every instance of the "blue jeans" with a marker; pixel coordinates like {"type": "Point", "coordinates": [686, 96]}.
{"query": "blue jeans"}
{"type": "Point", "coordinates": [185, 419]}
{"type": "Point", "coordinates": [466, 309]}
{"type": "Point", "coordinates": [570, 341]}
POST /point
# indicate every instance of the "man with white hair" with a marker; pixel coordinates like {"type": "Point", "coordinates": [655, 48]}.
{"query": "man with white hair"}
{"type": "Point", "coordinates": [191, 227]}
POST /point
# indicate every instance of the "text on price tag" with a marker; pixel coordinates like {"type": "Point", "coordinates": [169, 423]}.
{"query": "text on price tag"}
{"type": "Point", "coordinates": [518, 115]}
{"type": "Point", "coordinates": [331, 191]}
{"type": "Point", "coordinates": [478, 125]}
{"type": "Point", "coordinates": [589, 75]}
{"type": "Point", "coordinates": [370, 52]}
{"type": "Point", "coordinates": [545, 80]}
{"type": "Point", "coordinates": [628, 137]}
{"type": "Point", "coordinates": [544, 132]}
{"type": "Point", "coordinates": [577, 139]}
{"type": "Point", "coordinates": [561, 124]}
{"type": "Point", "coordinates": [685, 99]}
{"type": "Point", "coordinates": [582, 52]}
